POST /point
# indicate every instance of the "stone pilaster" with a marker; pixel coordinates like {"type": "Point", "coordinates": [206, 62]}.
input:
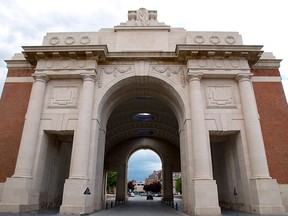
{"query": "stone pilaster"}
{"type": "Point", "coordinates": [73, 197]}
{"type": "Point", "coordinates": [28, 143]}
{"type": "Point", "coordinates": [201, 152]}
{"type": "Point", "coordinates": [203, 187]}
{"type": "Point", "coordinates": [80, 152]}
{"type": "Point", "coordinates": [260, 182]}
{"type": "Point", "coordinates": [19, 193]}
{"type": "Point", "coordinates": [121, 184]}
{"type": "Point", "coordinates": [167, 183]}
{"type": "Point", "coordinates": [259, 166]}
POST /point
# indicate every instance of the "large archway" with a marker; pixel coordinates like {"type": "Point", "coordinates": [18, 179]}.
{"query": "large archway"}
{"type": "Point", "coordinates": [143, 118]}
{"type": "Point", "coordinates": [142, 163]}
{"type": "Point", "coordinates": [147, 84]}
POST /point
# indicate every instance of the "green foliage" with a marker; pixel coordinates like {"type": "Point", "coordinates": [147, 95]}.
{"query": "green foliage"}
{"type": "Point", "coordinates": [111, 180]}
{"type": "Point", "coordinates": [179, 185]}
{"type": "Point", "coordinates": [131, 185]}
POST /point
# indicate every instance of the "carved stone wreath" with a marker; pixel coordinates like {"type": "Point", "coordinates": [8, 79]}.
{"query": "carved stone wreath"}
{"type": "Point", "coordinates": [113, 70]}
{"type": "Point", "coordinates": [171, 70]}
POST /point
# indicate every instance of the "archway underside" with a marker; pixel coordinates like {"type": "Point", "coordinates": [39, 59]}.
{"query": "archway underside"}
{"type": "Point", "coordinates": [142, 121]}
{"type": "Point", "coordinates": [139, 117]}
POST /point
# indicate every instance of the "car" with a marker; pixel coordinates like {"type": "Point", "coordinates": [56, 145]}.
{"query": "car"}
{"type": "Point", "coordinates": [149, 197]}
{"type": "Point", "coordinates": [132, 195]}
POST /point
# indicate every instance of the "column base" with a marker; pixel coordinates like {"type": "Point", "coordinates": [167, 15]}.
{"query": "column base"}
{"type": "Point", "coordinates": [265, 197]}
{"type": "Point", "coordinates": [168, 198]}
{"type": "Point", "coordinates": [74, 199]}
{"type": "Point", "coordinates": [18, 195]}
{"type": "Point", "coordinates": [205, 198]}
{"type": "Point", "coordinates": [121, 197]}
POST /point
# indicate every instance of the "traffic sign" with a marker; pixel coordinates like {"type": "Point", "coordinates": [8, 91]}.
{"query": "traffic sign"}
{"type": "Point", "coordinates": [87, 191]}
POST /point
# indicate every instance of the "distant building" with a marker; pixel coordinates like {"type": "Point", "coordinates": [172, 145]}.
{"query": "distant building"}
{"type": "Point", "coordinates": [154, 177]}
{"type": "Point", "coordinates": [138, 187]}
{"type": "Point", "coordinates": [176, 175]}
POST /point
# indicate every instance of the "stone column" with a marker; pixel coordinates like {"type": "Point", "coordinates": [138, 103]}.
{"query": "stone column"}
{"type": "Point", "coordinates": [19, 191]}
{"type": "Point", "coordinates": [167, 183]}
{"type": "Point", "coordinates": [255, 143]}
{"type": "Point", "coordinates": [187, 172]}
{"type": "Point", "coordinates": [204, 193]}
{"type": "Point", "coordinates": [201, 152]}
{"type": "Point", "coordinates": [73, 198]}
{"type": "Point", "coordinates": [265, 193]}
{"type": "Point", "coordinates": [121, 184]}
{"type": "Point", "coordinates": [28, 143]}
{"type": "Point", "coordinates": [80, 152]}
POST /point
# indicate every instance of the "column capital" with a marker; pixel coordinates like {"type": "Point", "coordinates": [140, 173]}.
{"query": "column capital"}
{"type": "Point", "coordinates": [89, 77]}
{"type": "Point", "coordinates": [243, 77]}
{"type": "Point", "coordinates": [40, 77]}
{"type": "Point", "coordinates": [194, 76]}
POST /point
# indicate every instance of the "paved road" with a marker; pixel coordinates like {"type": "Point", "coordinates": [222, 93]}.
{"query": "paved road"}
{"type": "Point", "coordinates": [137, 206]}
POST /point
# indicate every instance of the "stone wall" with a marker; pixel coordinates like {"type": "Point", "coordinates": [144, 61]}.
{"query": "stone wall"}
{"type": "Point", "coordinates": [284, 195]}
{"type": "Point", "coordinates": [1, 189]}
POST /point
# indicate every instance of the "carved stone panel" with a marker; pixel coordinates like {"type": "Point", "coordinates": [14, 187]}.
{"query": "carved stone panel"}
{"type": "Point", "coordinates": [218, 64]}
{"type": "Point", "coordinates": [64, 97]}
{"type": "Point", "coordinates": [169, 70]}
{"type": "Point", "coordinates": [114, 70]}
{"type": "Point", "coordinates": [66, 64]}
{"type": "Point", "coordinates": [220, 97]}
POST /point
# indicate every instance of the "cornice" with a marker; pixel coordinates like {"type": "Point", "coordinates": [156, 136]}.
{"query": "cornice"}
{"type": "Point", "coordinates": [267, 64]}
{"type": "Point", "coordinates": [142, 28]}
{"type": "Point", "coordinates": [22, 64]}
{"type": "Point", "coordinates": [34, 53]}
{"type": "Point", "coordinates": [18, 61]}
{"type": "Point", "coordinates": [249, 52]}
{"type": "Point", "coordinates": [181, 54]}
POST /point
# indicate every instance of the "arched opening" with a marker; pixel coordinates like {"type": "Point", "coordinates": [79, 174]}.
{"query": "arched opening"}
{"type": "Point", "coordinates": [56, 147]}
{"type": "Point", "coordinates": [229, 169]}
{"type": "Point", "coordinates": [144, 170]}
{"type": "Point", "coordinates": [142, 113]}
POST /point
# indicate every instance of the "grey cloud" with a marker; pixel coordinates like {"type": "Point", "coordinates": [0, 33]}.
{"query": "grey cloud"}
{"type": "Point", "coordinates": [142, 163]}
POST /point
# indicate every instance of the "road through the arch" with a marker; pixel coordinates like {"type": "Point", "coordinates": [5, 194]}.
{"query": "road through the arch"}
{"type": "Point", "coordinates": [139, 206]}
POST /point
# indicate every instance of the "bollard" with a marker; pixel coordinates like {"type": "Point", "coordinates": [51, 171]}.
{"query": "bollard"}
{"type": "Point", "coordinates": [172, 204]}
{"type": "Point", "coordinates": [106, 205]}
{"type": "Point", "coordinates": [176, 207]}
{"type": "Point", "coordinates": [111, 204]}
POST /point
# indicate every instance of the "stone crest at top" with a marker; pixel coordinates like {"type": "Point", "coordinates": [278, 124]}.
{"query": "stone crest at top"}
{"type": "Point", "coordinates": [142, 17]}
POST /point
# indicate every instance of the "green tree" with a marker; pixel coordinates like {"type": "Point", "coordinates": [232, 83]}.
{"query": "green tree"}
{"type": "Point", "coordinates": [179, 185]}
{"type": "Point", "coordinates": [154, 187]}
{"type": "Point", "coordinates": [131, 185]}
{"type": "Point", "coordinates": [111, 180]}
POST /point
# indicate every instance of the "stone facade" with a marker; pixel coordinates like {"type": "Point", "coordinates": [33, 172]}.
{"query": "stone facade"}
{"type": "Point", "coordinates": [217, 114]}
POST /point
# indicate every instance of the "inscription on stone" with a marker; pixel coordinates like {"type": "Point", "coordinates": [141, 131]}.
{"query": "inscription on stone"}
{"type": "Point", "coordinates": [63, 97]}
{"type": "Point", "coordinates": [220, 97]}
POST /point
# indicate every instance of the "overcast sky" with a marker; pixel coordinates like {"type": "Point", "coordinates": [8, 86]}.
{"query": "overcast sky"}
{"type": "Point", "coordinates": [142, 163]}
{"type": "Point", "coordinates": [260, 22]}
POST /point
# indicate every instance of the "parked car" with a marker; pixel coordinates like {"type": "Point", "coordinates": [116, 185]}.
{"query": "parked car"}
{"type": "Point", "coordinates": [149, 197]}
{"type": "Point", "coordinates": [132, 195]}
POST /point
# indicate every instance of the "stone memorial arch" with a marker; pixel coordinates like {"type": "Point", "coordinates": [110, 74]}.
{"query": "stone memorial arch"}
{"type": "Point", "coordinates": [97, 97]}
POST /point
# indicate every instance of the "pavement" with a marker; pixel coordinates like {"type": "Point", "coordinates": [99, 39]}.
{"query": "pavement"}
{"type": "Point", "coordinates": [138, 206]}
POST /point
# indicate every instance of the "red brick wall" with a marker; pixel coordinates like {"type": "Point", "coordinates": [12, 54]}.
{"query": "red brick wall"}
{"type": "Point", "coordinates": [13, 107]}
{"type": "Point", "coordinates": [273, 111]}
